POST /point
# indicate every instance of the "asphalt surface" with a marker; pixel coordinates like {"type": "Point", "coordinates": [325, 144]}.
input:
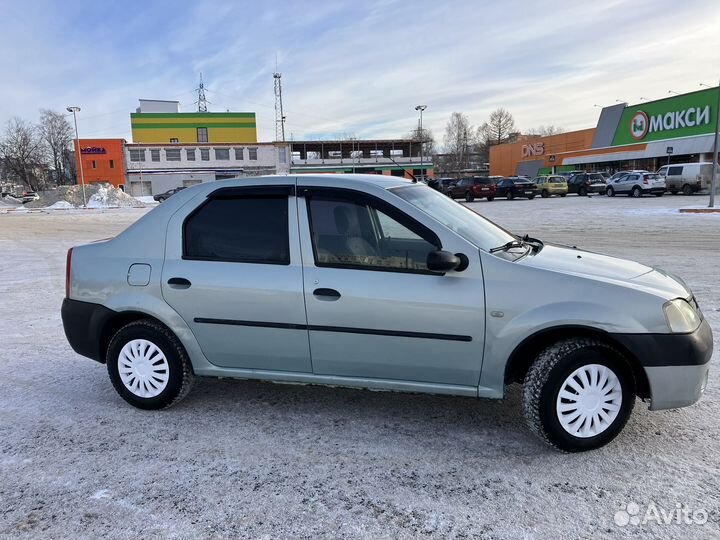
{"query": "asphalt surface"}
{"type": "Point", "coordinates": [241, 459]}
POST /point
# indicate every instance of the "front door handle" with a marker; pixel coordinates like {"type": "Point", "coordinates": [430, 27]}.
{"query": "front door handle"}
{"type": "Point", "coordinates": [327, 294]}
{"type": "Point", "coordinates": [179, 283]}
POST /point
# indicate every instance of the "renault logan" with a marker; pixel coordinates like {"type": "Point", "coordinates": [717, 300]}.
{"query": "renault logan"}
{"type": "Point", "coordinates": [380, 283]}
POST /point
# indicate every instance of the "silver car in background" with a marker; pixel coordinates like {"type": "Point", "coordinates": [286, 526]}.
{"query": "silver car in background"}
{"type": "Point", "coordinates": [636, 184]}
{"type": "Point", "coordinates": [381, 283]}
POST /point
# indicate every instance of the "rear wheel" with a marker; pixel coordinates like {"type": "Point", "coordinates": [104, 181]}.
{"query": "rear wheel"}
{"type": "Point", "coordinates": [659, 194]}
{"type": "Point", "coordinates": [469, 196]}
{"type": "Point", "coordinates": [610, 192]}
{"type": "Point", "coordinates": [636, 192]}
{"type": "Point", "coordinates": [563, 194]}
{"type": "Point", "coordinates": [687, 190]}
{"type": "Point", "coordinates": [578, 394]}
{"type": "Point", "coordinates": [544, 194]}
{"type": "Point", "coordinates": [673, 192]}
{"type": "Point", "coordinates": [510, 195]}
{"type": "Point", "coordinates": [490, 198]}
{"type": "Point", "coordinates": [582, 191]}
{"type": "Point", "coordinates": [531, 197]}
{"type": "Point", "coordinates": [148, 366]}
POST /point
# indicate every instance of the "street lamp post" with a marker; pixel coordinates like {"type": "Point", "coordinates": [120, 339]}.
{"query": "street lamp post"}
{"type": "Point", "coordinates": [74, 111]}
{"type": "Point", "coordinates": [713, 182]}
{"type": "Point", "coordinates": [421, 108]}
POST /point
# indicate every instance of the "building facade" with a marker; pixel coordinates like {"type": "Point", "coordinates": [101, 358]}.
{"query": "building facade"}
{"type": "Point", "coordinates": [155, 168]}
{"type": "Point", "coordinates": [678, 129]}
{"type": "Point", "coordinates": [395, 157]}
{"type": "Point", "coordinates": [102, 160]}
{"type": "Point", "coordinates": [161, 122]}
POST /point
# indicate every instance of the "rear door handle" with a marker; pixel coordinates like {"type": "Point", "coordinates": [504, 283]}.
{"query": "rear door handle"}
{"type": "Point", "coordinates": [327, 294]}
{"type": "Point", "coordinates": [179, 283]}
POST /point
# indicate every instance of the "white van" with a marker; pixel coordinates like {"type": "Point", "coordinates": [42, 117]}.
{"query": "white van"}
{"type": "Point", "coordinates": [686, 177]}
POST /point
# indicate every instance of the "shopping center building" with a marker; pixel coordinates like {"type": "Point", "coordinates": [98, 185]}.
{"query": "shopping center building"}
{"type": "Point", "coordinates": [678, 129]}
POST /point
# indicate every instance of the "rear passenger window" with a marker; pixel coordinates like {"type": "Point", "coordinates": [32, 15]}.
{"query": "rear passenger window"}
{"type": "Point", "coordinates": [244, 229]}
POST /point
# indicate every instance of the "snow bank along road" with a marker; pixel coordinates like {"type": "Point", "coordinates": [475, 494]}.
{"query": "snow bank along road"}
{"type": "Point", "coordinates": [256, 460]}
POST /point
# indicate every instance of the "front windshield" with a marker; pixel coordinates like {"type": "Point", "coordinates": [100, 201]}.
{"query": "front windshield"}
{"type": "Point", "coordinates": [474, 228]}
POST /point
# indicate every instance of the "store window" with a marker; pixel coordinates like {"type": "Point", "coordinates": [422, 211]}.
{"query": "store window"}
{"type": "Point", "coordinates": [137, 154]}
{"type": "Point", "coordinates": [112, 164]}
{"type": "Point", "coordinates": [172, 154]}
{"type": "Point", "coordinates": [155, 154]}
{"type": "Point", "coordinates": [239, 154]}
{"type": "Point", "coordinates": [252, 154]}
{"type": "Point", "coordinates": [202, 134]}
{"type": "Point", "coordinates": [205, 154]}
{"type": "Point", "coordinates": [222, 154]}
{"type": "Point", "coordinates": [190, 154]}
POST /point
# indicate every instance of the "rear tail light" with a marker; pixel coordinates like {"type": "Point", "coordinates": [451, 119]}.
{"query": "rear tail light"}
{"type": "Point", "coordinates": [645, 180]}
{"type": "Point", "coordinates": [68, 268]}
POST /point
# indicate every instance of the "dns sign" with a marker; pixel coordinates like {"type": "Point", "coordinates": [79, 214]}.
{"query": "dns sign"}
{"type": "Point", "coordinates": [530, 150]}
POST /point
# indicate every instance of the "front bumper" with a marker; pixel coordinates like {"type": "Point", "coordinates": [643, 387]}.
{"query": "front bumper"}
{"type": "Point", "coordinates": [83, 323]}
{"type": "Point", "coordinates": [597, 188]}
{"type": "Point", "coordinates": [676, 365]}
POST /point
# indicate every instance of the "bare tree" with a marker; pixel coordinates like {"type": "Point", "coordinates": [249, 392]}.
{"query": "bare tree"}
{"type": "Point", "coordinates": [21, 150]}
{"type": "Point", "coordinates": [544, 131]}
{"type": "Point", "coordinates": [459, 138]}
{"type": "Point", "coordinates": [427, 138]}
{"type": "Point", "coordinates": [498, 128]}
{"type": "Point", "coordinates": [56, 134]}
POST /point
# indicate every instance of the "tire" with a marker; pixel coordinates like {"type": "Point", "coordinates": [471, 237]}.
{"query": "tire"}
{"type": "Point", "coordinates": [687, 190]}
{"type": "Point", "coordinates": [610, 192]}
{"type": "Point", "coordinates": [674, 192]}
{"type": "Point", "coordinates": [175, 364]}
{"type": "Point", "coordinates": [531, 197]}
{"type": "Point", "coordinates": [582, 192]}
{"type": "Point", "coordinates": [510, 195]}
{"type": "Point", "coordinates": [563, 194]}
{"type": "Point", "coordinates": [552, 372]}
{"type": "Point", "coordinates": [636, 192]}
{"type": "Point", "coordinates": [469, 197]}
{"type": "Point", "coordinates": [544, 194]}
{"type": "Point", "coordinates": [490, 199]}
{"type": "Point", "coordinates": [659, 194]}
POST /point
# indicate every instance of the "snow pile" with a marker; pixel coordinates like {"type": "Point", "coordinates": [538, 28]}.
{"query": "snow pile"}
{"type": "Point", "coordinates": [108, 195]}
{"type": "Point", "coordinates": [61, 205]}
{"type": "Point", "coordinates": [99, 195]}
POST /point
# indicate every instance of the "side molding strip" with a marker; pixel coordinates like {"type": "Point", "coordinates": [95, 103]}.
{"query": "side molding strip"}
{"type": "Point", "coordinates": [339, 329]}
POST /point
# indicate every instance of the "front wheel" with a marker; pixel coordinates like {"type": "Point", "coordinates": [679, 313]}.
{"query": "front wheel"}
{"type": "Point", "coordinates": [148, 366]}
{"type": "Point", "coordinates": [636, 192]}
{"type": "Point", "coordinates": [582, 192]}
{"type": "Point", "coordinates": [544, 194]}
{"type": "Point", "coordinates": [687, 190]}
{"type": "Point", "coordinates": [578, 394]}
{"type": "Point", "coordinates": [610, 192]}
{"type": "Point", "coordinates": [510, 195]}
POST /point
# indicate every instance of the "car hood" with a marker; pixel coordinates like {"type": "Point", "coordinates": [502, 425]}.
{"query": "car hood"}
{"type": "Point", "coordinates": [596, 266]}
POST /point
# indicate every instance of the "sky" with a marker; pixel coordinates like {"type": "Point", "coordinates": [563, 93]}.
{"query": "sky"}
{"type": "Point", "coordinates": [353, 68]}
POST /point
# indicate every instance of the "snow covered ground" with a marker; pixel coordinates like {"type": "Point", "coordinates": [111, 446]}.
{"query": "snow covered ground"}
{"type": "Point", "coordinates": [255, 460]}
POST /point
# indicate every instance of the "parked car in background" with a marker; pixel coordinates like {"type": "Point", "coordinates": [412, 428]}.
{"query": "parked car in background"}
{"type": "Point", "coordinates": [617, 175]}
{"type": "Point", "coordinates": [636, 184]}
{"type": "Point", "coordinates": [552, 184]}
{"type": "Point", "coordinates": [686, 177]}
{"type": "Point", "coordinates": [606, 175]}
{"type": "Point", "coordinates": [442, 185]}
{"type": "Point", "coordinates": [568, 174]}
{"type": "Point", "coordinates": [477, 187]}
{"type": "Point", "coordinates": [586, 183]}
{"type": "Point", "coordinates": [28, 196]}
{"type": "Point", "coordinates": [495, 179]}
{"type": "Point", "coordinates": [512, 187]}
{"type": "Point", "coordinates": [160, 197]}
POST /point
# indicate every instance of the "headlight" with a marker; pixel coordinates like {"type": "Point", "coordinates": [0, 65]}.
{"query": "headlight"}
{"type": "Point", "coordinates": [681, 317]}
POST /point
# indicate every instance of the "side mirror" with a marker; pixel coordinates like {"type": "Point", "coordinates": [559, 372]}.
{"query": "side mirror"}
{"type": "Point", "coordinates": [444, 261]}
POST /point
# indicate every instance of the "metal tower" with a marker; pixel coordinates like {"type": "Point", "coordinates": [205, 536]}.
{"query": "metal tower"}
{"type": "Point", "coordinates": [202, 101]}
{"type": "Point", "coordinates": [279, 116]}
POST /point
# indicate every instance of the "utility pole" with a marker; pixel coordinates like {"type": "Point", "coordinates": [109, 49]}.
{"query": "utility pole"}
{"type": "Point", "coordinates": [421, 108]}
{"type": "Point", "coordinates": [279, 116]}
{"type": "Point", "coordinates": [713, 182]}
{"type": "Point", "coordinates": [74, 111]}
{"type": "Point", "coordinates": [202, 101]}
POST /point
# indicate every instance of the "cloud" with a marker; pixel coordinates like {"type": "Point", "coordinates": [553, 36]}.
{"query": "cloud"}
{"type": "Point", "coordinates": [354, 67]}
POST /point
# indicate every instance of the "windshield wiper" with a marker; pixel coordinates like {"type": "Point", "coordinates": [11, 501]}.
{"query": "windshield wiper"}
{"type": "Point", "coordinates": [511, 244]}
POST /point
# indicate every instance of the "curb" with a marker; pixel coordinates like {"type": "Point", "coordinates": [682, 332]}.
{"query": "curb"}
{"type": "Point", "coordinates": [699, 210]}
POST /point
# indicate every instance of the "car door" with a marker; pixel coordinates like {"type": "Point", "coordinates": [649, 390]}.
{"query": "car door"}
{"type": "Point", "coordinates": [502, 188]}
{"type": "Point", "coordinates": [374, 309]}
{"type": "Point", "coordinates": [233, 272]}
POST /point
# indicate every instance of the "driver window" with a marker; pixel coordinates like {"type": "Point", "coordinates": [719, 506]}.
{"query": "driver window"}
{"type": "Point", "coordinates": [357, 234]}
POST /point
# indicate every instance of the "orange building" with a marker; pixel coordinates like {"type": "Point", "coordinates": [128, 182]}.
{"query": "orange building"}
{"type": "Point", "coordinates": [102, 161]}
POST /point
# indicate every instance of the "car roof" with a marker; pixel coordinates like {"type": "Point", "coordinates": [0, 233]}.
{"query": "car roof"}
{"type": "Point", "coordinates": [338, 180]}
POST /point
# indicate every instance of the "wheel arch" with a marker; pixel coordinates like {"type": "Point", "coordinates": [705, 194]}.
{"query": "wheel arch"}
{"type": "Point", "coordinates": [116, 322]}
{"type": "Point", "coordinates": [526, 351]}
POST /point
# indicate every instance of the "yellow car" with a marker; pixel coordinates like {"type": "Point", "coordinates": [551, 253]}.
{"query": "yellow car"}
{"type": "Point", "coordinates": [552, 184]}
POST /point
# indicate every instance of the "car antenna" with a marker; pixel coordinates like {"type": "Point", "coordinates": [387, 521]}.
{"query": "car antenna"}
{"type": "Point", "coordinates": [415, 180]}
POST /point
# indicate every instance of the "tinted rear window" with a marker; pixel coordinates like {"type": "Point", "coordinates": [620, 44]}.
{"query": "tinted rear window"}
{"type": "Point", "coordinates": [483, 181]}
{"type": "Point", "coordinates": [596, 176]}
{"type": "Point", "coordinates": [239, 230]}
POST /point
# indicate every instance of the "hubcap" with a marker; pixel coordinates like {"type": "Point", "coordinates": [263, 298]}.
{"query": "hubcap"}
{"type": "Point", "coordinates": [143, 368]}
{"type": "Point", "coordinates": [589, 400]}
